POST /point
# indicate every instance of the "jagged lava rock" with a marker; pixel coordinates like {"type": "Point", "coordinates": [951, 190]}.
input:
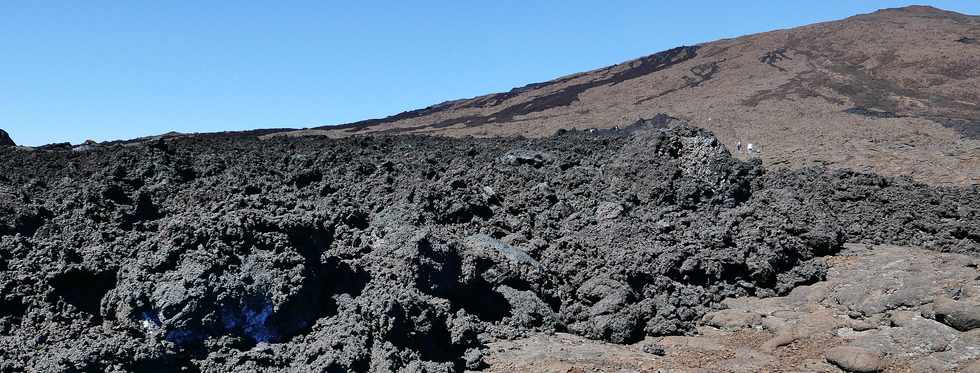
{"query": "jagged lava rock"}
{"type": "Point", "coordinates": [219, 253]}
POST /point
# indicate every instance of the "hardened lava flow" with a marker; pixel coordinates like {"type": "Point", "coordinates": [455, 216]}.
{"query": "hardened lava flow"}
{"type": "Point", "coordinates": [219, 253]}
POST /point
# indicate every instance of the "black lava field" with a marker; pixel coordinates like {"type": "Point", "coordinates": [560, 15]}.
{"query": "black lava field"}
{"type": "Point", "coordinates": [219, 253]}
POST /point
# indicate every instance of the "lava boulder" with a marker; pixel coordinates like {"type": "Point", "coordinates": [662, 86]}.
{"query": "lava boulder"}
{"type": "Point", "coordinates": [5, 139]}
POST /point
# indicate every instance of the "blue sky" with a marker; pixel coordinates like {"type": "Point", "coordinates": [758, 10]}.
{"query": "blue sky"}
{"type": "Point", "coordinates": [102, 70]}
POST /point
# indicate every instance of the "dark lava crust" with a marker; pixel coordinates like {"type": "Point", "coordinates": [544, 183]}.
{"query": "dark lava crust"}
{"type": "Point", "coordinates": [229, 253]}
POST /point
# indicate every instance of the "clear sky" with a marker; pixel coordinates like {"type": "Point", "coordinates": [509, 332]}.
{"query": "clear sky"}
{"type": "Point", "coordinates": [102, 70]}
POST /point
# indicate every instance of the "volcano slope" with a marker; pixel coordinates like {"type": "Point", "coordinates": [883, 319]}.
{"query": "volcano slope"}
{"type": "Point", "coordinates": [403, 253]}
{"type": "Point", "coordinates": [894, 92]}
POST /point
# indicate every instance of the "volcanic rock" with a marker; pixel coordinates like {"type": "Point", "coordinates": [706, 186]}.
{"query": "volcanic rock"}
{"type": "Point", "coordinates": [798, 329]}
{"type": "Point", "coordinates": [218, 253]}
{"type": "Point", "coordinates": [5, 139]}
{"type": "Point", "coordinates": [732, 319]}
{"type": "Point", "coordinates": [854, 359]}
{"type": "Point", "coordinates": [963, 316]}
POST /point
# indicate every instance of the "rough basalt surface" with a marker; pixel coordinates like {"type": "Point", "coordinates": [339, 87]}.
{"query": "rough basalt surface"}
{"type": "Point", "coordinates": [229, 253]}
{"type": "Point", "coordinates": [882, 308]}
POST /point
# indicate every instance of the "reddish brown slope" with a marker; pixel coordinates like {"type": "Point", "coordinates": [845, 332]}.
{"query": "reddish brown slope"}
{"type": "Point", "coordinates": [896, 92]}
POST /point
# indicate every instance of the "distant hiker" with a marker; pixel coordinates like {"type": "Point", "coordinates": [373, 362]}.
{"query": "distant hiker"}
{"type": "Point", "coordinates": [738, 147]}
{"type": "Point", "coordinates": [748, 149]}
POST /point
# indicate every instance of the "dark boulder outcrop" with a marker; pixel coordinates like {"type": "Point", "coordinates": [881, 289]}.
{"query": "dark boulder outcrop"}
{"type": "Point", "coordinates": [5, 139]}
